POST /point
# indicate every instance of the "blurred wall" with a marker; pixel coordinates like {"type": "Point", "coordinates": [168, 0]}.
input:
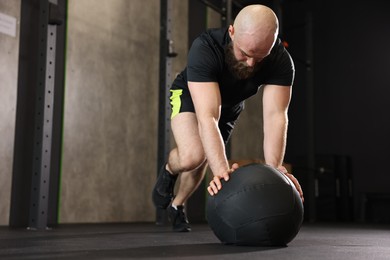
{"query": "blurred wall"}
{"type": "Point", "coordinates": [111, 108]}
{"type": "Point", "coordinates": [9, 51]}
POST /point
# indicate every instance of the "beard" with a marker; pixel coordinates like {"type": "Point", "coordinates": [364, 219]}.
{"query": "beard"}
{"type": "Point", "coordinates": [239, 69]}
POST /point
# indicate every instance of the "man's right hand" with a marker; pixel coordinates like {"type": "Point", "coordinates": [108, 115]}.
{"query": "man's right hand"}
{"type": "Point", "coordinates": [215, 184]}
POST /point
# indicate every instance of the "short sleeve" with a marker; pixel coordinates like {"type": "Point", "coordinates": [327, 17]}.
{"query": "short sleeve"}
{"type": "Point", "coordinates": [203, 63]}
{"type": "Point", "coordinates": [282, 71]}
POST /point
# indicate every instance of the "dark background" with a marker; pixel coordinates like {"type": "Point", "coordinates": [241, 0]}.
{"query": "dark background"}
{"type": "Point", "coordinates": [351, 82]}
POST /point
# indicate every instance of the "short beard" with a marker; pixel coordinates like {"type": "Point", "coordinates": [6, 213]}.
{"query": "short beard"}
{"type": "Point", "coordinates": [238, 68]}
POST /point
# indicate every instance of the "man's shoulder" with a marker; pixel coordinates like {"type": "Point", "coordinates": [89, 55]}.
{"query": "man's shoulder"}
{"type": "Point", "coordinates": [279, 53]}
{"type": "Point", "coordinates": [214, 36]}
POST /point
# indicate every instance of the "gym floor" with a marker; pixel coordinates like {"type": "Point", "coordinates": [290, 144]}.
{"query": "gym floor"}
{"type": "Point", "coordinates": [148, 241]}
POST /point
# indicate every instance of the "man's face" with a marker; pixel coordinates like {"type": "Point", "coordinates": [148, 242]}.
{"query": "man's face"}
{"type": "Point", "coordinates": [241, 69]}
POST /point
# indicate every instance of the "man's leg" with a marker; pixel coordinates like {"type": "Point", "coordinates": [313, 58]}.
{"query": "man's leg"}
{"type": "Point", "coordinates": [188, 154]}
{"type": "Point", "coordinates": [187, 158]}
{"type": "Point", "coordinates": [189, 182]}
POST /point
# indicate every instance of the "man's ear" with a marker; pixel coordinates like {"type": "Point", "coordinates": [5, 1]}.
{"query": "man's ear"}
{"type": "Point", "coordinates": [231, 31]}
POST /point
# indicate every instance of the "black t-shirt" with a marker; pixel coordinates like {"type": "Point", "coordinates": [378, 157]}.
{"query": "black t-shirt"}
{"type": "Point", "coordinates": [206, 63]}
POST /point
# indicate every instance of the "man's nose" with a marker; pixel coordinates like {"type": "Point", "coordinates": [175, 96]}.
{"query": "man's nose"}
{"type": "Point", "coordinates": [250, 62]}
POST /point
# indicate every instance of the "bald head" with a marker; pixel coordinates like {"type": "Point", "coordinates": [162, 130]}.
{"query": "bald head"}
{"type": "Point", "coordinates": [255, 29]}
{"type": "Point", "coordinates": [256, 20]}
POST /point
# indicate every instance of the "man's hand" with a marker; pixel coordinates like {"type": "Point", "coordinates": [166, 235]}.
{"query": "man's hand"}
{"type": "Point", "coordinates": [215, 184]}
{"type": "Point", "coordinates": [294, 180]}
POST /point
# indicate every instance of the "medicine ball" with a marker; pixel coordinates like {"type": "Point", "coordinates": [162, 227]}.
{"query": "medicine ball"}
{"type": "Point", "coordinates": [258, 206]}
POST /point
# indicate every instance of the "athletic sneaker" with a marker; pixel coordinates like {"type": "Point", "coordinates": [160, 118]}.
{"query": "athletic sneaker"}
{"type": "Point", "coordinates": [179, 219]}
{"type": "Point", "coordinates": [163, 190]}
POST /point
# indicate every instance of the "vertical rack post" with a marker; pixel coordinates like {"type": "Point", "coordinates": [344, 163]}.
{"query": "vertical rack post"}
{"type": "Point", "coordinates": [43, 120]}
{"type": "Point", "coordinates": [38, 127]}
{"type": "Point", "coordinates": [227, 13]}
{"type": "Point", "coordinates": [165, 77]}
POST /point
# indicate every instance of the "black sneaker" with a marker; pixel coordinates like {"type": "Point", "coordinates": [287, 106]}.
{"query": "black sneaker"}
{"type": "Point", "coordinates": [179, 220]}
{"type": "Point", "coordinates": [163, 190]}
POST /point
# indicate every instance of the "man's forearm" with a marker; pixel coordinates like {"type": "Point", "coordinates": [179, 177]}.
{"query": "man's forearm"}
{"type": "Point", "coordinates": [275, 138]}
{"type": "Point", "coordinates": [213, 146]}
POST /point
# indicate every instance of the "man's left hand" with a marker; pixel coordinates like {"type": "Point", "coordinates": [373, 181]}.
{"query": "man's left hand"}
{"type": "Point", "coordinates": [294, 180]}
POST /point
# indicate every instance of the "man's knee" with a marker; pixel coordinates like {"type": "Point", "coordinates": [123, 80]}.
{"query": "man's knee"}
{"type": "Point", "coordinates": [191, 160]}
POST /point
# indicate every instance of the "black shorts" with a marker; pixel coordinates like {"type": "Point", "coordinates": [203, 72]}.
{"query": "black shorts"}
{"type": "Point", "coordinates": [181, 101]}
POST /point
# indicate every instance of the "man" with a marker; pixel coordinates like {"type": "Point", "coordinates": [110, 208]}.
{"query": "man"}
{"type": "Point", "coordinates": [225, 67]}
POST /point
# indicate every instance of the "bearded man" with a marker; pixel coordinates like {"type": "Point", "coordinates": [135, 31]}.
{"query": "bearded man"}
{"type": "Point", "coordinates": [225, 66]}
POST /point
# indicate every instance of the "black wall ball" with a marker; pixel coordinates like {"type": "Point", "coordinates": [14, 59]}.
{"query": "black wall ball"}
{"type": "Point", "coordinates": [259, 206]}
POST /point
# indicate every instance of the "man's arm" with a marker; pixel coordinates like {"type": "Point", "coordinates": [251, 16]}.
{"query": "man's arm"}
{"type": "Point", "coordinates": [276, 100]}
{"type": "Point", "coordinates": [207, 102]}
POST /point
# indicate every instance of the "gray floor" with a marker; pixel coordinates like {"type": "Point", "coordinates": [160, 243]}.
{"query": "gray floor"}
{"type": "Point", "coordinates": [147, 241]}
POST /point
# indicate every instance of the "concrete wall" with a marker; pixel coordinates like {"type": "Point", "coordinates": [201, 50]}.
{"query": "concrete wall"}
{"type": "Point", "coordinates": [111, 109]}
{"type": "Point", "coordinates": [9, 51]}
